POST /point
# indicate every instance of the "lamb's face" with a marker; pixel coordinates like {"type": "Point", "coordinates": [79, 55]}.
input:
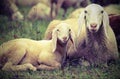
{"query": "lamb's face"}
{"type": "Point", "coordinates": [93, 17]}
{"type": "Point", "coordinates": [63, 32]}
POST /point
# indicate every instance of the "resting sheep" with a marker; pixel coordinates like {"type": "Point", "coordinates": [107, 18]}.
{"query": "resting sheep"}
{"type": "Point", "coordinates": [9, 8]}
{"type": "Point", "coordinates": [39, 11]}
{"type": "Point", "coordinates": [95, 41]}
{"type": "Point", "coordinates": [23, 54]}
{"type": "Point", "coordinates": [99, 42]}
{"type": "Point", "coordinates": [30, 2]}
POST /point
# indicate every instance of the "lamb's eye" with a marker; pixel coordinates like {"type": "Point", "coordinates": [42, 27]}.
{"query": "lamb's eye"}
{"type": "Point", "coordinates": [58, 30]}
{"type": "Point", "coordinates": [69, 30]}
{"type": "Point", "coordinates": [85, 11]}
{"type": "Point", "coordinates": [102, 11]}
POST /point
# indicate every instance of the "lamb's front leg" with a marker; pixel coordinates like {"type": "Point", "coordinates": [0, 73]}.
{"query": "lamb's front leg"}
{"type": "Point", "coordinates": [10, 67]}
{"type": "Point", "coordinates": [49, 66]}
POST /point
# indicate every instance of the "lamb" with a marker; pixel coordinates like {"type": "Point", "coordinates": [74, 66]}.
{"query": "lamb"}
{"type": "Point", "coordinates": [39, 11]}
{"type": "Point", "coordinates": [95, 40]}
{"type": "Point", "coordinates": [23, 54]}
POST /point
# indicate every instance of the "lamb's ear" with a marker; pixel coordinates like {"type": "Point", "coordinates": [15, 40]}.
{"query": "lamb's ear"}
{"type": "Point", "coordinates": [54, 39]}
{"type": "Point", "coordinates": [72, 38]}
{"type": "Point", "coordinates": [105, 23]}
{"type": "Point", "coordinates": [81, 21]}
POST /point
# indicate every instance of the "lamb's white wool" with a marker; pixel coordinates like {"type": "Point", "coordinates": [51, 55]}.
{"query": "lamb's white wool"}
{"type": "Point", "coordinates": [23, 54]}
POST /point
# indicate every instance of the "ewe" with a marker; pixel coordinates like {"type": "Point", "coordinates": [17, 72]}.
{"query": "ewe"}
{"type": "Point", "coordinates": [23, 54]}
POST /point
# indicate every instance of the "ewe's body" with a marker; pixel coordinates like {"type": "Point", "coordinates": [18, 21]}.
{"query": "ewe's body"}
{"type": "Point", "coordinates": [95, 39]}
{"type": "Point", "coordinates": [76, 13]}
{"type": "Point", "coordinates": [23, 54]}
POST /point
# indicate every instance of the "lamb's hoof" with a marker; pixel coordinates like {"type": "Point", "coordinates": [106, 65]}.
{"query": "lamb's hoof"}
{"type": "Point", "coordinates": [31, 67]}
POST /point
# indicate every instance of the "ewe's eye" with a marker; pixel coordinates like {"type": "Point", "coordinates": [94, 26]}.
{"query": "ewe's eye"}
{"type": "Point", "coordinates": [69, 30]}
{"type": "Point", "coordinates": [102, 11]}
{"type": "Point", "coordinates": [58, 30]}
{"type": "Point", "coordinates": [85, 11]}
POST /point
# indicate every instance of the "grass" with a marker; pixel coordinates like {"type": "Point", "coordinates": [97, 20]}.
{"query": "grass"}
{"type": "Point", "coordinates": [35, 30]}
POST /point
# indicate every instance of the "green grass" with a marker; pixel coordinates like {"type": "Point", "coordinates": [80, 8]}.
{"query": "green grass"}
{"type": "Point", "coordinates": [35, 30]}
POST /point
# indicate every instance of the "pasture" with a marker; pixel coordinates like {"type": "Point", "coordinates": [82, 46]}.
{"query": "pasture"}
{"type": "Point", "coordinates": [35, 30]}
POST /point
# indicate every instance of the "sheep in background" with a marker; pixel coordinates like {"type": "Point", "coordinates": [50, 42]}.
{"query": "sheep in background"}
{"type": "Point", "coordinates": [39, 11]}
{"type": "Point", "coordinates": [9, 8]}
{"type": "Point", "coordinates": [112, 9]}
{"type": "Point", "coordinates": [31, 2]}
{"type": "Point", "coordinates": [23, 54]}
{"type": "Point", "coordinates": [65, 4]}
{"type": "Point", "coordinates": [17, 16]}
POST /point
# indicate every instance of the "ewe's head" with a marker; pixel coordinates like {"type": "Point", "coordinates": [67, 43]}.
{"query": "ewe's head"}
{"type": "Point", "coordinates": [94, 17]}
{"type": "Point", "coordinates": [62, 33]}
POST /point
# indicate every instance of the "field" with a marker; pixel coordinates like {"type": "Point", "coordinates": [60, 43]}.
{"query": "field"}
{"type": "Point", "coordinates": [35, 30]}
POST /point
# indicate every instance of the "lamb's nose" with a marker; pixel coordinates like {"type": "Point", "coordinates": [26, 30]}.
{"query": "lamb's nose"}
{"type": "Point", "coordinates": [64, 38]}
{"type": "Point", "coordinates": [93, 25]}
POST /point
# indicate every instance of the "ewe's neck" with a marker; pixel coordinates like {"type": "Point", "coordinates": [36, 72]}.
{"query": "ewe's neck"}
{"type": "Point", "coordinates": [96, 41]}
{"type": "Point", "coordinates": [98, 36]}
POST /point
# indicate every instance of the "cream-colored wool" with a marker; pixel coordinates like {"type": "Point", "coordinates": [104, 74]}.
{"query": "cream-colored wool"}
{"type": "Point", "coordinates": [76, 13]}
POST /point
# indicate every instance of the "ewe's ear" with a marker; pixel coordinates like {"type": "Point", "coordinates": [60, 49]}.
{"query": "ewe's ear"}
{"type": "Point", "coordinates": [105, 23]}
{"type": "Point", "coordinates": [72, 38]}
{"type": "Point", "coordinates": [81, 21]}
{"type": "Point", "coordinates": [54, 39]}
